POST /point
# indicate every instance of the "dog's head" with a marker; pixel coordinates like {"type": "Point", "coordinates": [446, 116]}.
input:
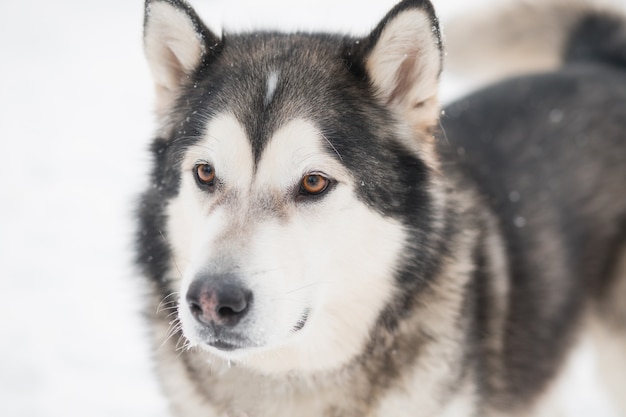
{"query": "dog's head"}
{"type": "Point", "coordinates": [292, 173]}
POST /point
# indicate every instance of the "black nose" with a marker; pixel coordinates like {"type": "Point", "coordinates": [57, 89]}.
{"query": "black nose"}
{"type": "Point", "coordinates": [218, 300]}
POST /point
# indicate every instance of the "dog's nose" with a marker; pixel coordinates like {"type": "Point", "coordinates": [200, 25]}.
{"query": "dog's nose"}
{"type": "Point", "coordinates": [218, 300]}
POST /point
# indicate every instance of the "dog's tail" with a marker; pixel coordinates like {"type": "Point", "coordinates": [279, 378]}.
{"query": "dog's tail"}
{"type": "Point", "coordinates": [526, 36]}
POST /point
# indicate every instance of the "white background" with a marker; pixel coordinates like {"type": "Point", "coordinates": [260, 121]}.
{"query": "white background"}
{"type": "Point", "coordinates": [75, 124]}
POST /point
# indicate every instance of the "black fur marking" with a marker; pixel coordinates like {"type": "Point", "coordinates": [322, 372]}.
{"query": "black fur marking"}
{"type": "Point", "coordinates": [598, 38]}
{"type": "Point", "coordinates": [478, 310]}
{"type": "Point", "coordinates": [613, 258]}
{"type": "Point", "coordinates": [154, 253]}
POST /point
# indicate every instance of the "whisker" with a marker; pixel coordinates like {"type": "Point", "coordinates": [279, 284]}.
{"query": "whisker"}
{"type": "Point", "coordinates": [186, 345]}
{"type": "Point", "coordinates": [173, 259]}
{"type": "Point", "coordinates": [332, 146]}
{"type": "Point", "coordinates": [174, 328]}
{"type": "Point", "coordinates": [445, 135]}
{"type": "Point", "coordinates": [164, 305]}
{"type": "Point", "coordinates": [171, 314]}
{"type": "Point", "coordinates": [169, 306]}
{"type": "Point", "coordinates": [263, 271]}
{"type": "Point", "coordinates": [173, 293]}
{"type": "Point", "coordinates": [309, 285]}
{"type": "Point", "coordinates": [173, 331]}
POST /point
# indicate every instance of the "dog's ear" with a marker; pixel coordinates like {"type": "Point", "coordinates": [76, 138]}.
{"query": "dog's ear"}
{"type": "Point", "coordinates": [403, 58]}
{"type": "Point", "coordinates": [176, 42]}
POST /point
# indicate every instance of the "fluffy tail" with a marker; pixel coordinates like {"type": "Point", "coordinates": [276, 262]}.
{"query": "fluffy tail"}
{"type": "Point", "coordinates": [531, 36]}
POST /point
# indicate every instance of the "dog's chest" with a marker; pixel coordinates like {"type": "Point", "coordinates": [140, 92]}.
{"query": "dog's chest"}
{"type": "Point", "coordinates": [280, 401]}
{"type": "Point", "coordinates": [255, 396]}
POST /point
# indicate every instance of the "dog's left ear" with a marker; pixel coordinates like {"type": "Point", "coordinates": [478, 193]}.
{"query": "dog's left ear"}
{"type": "Point", "coordinates": [403, 59]}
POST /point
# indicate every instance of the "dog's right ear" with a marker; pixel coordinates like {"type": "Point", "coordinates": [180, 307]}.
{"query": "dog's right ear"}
{"type": "Point", "coordinates": [176, 42]}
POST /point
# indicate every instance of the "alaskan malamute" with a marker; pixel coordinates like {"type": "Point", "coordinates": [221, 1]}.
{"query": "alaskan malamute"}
{"type": "Point", "coordinates": [317, 245]}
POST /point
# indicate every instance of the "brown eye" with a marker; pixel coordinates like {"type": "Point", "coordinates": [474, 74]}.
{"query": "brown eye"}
{"type": "Point", "coordinates": [205, 174]}
{"type": "Point", "coordinates": [314, 184]}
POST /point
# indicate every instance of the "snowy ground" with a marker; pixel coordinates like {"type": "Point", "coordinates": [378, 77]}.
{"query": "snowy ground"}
{"type": "Point", "coordinates": [75, 121]}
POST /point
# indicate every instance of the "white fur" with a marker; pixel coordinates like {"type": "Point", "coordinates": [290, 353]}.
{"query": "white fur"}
{"type": "Point", "coordinates": [272, 83]}
{"type": "Point", "coordinates": [333, 257]}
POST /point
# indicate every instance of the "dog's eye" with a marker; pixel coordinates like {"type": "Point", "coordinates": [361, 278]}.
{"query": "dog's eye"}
{"type": "Point", "coordinates": [205, 174]}
{"type": "Point", "coordinates": [314, 184]}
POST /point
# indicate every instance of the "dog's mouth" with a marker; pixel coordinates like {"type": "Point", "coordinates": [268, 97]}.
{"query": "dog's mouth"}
{"type": "Point", "coordinates": [224, 345]}
{"type": "Point", "coordinates": [229, 341]}
{"type": "Point", "coordinates": [222, 339]}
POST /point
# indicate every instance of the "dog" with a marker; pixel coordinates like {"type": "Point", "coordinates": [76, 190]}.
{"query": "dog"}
{"type": "Point", "coordinates": [318, 241]}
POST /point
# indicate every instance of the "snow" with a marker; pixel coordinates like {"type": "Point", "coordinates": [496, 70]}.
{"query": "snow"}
{"type": "Point", "coordinates": [75, 122]}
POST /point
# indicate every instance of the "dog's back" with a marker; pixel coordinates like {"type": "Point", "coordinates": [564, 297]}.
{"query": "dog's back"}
{"type": "Point", "coordinates": [548, 152]}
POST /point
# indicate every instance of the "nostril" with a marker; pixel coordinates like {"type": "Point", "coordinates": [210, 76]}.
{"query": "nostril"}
{"type": "Point", "coordinates": [195, 308]}
{"type": "Point", "coordinates": [226, 312]}
{"type": "Point", "coordinates": [234, 305]}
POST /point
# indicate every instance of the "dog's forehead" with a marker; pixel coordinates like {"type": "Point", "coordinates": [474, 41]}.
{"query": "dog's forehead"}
{"type": "Point", "coordinates": [267, 80]}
